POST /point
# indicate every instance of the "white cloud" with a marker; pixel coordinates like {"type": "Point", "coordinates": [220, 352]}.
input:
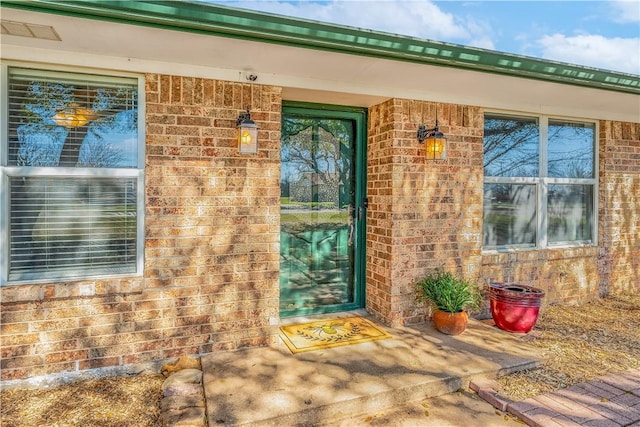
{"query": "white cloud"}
{"type": "Point", "coordinates": [618, 54]}
{"type": "Point", "coordinates": [480, 33]}
{"type": "Point", "coordinates": [416, 18]}
{"type": "Point", "coordinates": [625, 12]}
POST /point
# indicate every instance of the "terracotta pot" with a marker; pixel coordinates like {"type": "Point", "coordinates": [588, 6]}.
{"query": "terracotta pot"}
{"type": "Point", "coordinates": [450, 323]}
{"type": "Point", "coordinates": [514, 307]}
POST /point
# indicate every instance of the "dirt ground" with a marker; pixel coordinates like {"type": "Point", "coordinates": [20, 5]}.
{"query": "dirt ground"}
{"type": "Point", "coordinates": [580, 343]}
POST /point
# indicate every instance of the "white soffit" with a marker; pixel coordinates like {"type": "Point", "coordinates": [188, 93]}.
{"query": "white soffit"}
{"type": "Point", "coordinates": [304, 74]}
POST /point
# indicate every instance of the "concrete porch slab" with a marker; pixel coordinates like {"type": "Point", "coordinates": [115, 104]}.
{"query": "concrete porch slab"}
{"type": "Point", "coordinates": [269, 386]}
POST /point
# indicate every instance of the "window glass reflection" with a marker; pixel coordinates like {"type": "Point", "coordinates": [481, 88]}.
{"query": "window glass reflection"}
{"type": "Point", "coordinates": [569, 213]}
{"type": "Point", "coordinates": [571, 149]}
{"type": "Point", "coordinates": [71, 120]}
{"type": "Point", "coordinates": [509, 215]}
{"type": "Point", "coordinates": [511, 146]}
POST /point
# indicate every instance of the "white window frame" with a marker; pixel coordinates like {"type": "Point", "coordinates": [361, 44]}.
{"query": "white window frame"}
{"type": "Point", "coordinates": [542, 182]}
{"type": "Point", "coordinates": [6, 172]}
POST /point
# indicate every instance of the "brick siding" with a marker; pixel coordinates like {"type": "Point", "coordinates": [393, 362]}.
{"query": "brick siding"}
{"type": "Point", "coordinates": [619, 211]}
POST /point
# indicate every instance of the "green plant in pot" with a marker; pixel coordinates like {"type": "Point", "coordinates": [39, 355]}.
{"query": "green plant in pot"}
{"type": "Point", "coordinates": [452, 296]}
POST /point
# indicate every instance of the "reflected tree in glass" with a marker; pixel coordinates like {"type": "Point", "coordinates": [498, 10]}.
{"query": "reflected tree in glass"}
{"type": "Point", "coordinates": [511, 146]}
{"type": "Point", "coordinates": [571, 149]}
{"type": "Point", "coordinates": [109, 140]}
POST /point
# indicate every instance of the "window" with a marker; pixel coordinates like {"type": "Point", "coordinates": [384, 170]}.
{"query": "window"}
{"type": "Point", "coordinates": [539, 182]}
{"type": "Point", "coordinates": [73, 174]}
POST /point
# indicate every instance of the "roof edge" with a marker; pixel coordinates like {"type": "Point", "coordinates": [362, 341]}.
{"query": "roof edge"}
{"type": "Point", "coordinates": [206, 18]}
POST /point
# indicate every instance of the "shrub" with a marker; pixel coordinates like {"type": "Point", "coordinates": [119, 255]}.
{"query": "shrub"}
{"type": "Point", "coordinates": [448, 292]}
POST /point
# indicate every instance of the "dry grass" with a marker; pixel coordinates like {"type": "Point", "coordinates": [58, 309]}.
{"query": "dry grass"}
{"type": "Point", "coordinates": [111, 402]}
{"type": "Point", "coordinates": [580, 343]}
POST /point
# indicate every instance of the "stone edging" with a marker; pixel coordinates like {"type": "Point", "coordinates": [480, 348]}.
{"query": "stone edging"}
{"type": "Point", "coordinates": [183, 402]}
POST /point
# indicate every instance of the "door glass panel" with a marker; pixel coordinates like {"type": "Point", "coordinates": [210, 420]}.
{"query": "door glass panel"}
{"type": "Point", "coordinates": [317, 214]}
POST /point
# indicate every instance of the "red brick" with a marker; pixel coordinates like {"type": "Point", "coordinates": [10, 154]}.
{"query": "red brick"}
{"type": "Point", "coordinates": [52, 358]}
{"type": "Point", "coordinates": [494, 398]}
{"type": "Point", "coordinates": [541, 417]}
{"type": "Point", "coordinates": [13, 328]}
{"type": "Point", "coordinates": [21, 362]}
{"type": "Point", "coordinates": [15, 351]}
{"type": "Point", "coordinates": [99, 363]}
{"type": "Point", "coordinates": [56, 346]}
{"type": "Point", "coordinates": [21, 339]}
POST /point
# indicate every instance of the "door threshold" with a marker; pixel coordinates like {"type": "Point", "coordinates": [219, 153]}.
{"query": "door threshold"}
{"type": "Point", "coordinates": [312, 317]}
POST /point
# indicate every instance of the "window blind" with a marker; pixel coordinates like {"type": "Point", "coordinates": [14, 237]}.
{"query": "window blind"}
{"type": "Point", "coordinates": [71, 226]}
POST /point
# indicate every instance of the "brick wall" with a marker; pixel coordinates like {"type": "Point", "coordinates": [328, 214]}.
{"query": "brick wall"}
{"type": "Point", "coordinates": [211, 250]}
{"type": "Point", "coordinates": [619, 213]}
{"type": "Point", "coordinates": [423, 214]}
{"type": "Point", "coordinates": [379, 241]}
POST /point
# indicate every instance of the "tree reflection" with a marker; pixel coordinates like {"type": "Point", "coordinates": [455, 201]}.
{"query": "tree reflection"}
{"type": "Point", "coordinates": [509, 215]}
{"type": "Point", "coordinates": [37, 140]}
{"type": "Point", "coordinates": [317, 224]}
{"type": "Point", "coordinates": [510, 146]}
{"type": "Point", "coordinates": [570, 149]}
{"type": "Point", "coordinates": [317, 153]}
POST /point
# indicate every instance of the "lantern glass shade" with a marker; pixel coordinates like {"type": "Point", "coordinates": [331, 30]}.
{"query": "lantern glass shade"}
{"type": "Point", "coordinates": [436, 144]}
{"type": "Point", "coordinates": [74, 116]}
{"type": "Point", "coordinates": [248, 138]}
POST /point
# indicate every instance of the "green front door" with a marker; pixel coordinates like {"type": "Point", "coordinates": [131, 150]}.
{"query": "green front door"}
{"type": "Point", "coordinates": [322, 209]}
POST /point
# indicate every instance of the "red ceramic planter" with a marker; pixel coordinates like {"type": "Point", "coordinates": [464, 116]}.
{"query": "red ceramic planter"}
{"type": "Point", "coordinates": [515, 308]}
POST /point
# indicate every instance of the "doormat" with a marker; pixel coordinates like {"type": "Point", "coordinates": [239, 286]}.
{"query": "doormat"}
{"type": "Point", "coordinates": [327, 333]}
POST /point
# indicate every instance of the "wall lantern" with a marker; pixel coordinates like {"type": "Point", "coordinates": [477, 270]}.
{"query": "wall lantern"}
{"type": "Point", "coordinates": [74, 116]}
{"type": "Point", "coordinates": [435, 140]}
{"type": "Point", "coordinates": [247, 134]}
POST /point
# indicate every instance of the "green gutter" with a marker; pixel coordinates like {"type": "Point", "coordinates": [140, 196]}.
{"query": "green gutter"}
{"type": "Point", "coordinates": [206, 18]}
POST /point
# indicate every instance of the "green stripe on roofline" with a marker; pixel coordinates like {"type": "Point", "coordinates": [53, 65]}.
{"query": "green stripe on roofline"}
{"type": "Point", "coordinates": [205, 18]}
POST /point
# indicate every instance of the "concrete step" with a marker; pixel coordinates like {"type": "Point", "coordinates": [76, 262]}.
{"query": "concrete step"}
{"type": "Point", "coordinates": [269, 386]}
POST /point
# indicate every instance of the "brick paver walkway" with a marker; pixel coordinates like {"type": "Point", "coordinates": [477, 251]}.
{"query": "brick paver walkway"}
{"type": "Point", "coordinates": [610, 401]}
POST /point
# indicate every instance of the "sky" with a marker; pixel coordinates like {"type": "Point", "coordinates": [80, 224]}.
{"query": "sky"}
{"type": "Point", "coordinates": [600, 34]}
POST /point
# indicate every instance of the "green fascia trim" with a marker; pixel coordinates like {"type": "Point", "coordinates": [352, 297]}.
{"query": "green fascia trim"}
{"type": "Point", "coordinates": [206, 18]}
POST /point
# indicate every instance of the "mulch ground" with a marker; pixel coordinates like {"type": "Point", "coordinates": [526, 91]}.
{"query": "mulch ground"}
{"type": "Point", "coordinates": [111, 402]}
{"type": "Point", "coordinates": [580, 343]}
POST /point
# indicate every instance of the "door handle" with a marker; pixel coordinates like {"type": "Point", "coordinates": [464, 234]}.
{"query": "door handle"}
{"type": "Point", "coordinates": [352, 225]}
